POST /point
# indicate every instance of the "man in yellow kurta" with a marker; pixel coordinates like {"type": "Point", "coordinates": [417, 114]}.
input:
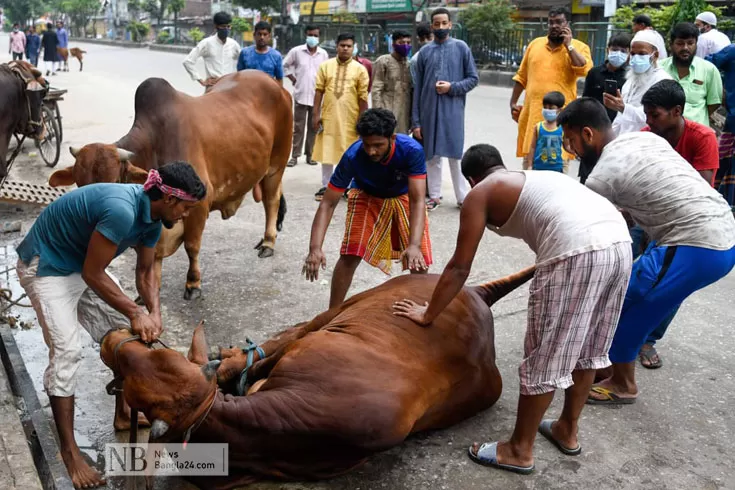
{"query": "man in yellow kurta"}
{"type": "Point", "coordinates": [551, 63]}
{"type": "Point", "coordinates": [341, 96]}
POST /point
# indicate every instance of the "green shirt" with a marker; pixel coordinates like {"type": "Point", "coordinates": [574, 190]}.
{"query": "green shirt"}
{"type": "Point", "coordinates": [703, 87]}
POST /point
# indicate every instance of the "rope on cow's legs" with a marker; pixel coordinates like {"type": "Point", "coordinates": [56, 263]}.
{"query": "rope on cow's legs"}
{"type": "Point", "coordinates": [250, 349]}
{"type": "Point", "coordinates": [7, 295]}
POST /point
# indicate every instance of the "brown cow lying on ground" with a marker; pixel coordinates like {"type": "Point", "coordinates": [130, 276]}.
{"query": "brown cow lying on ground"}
{"type": "Point", "coordinates": [329, 393]}
{"type": "Point", "coordinates": [64, 53]}
{"type": "Point", "coordinates": [235, 136]}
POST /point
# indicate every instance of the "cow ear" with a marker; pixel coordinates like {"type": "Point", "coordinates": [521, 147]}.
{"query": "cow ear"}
{"type": "Point", "coordinates": [198, 352]}
{"type": "Point", "coordinates": [136, 174]}
{"type": "Point", "coordinates": [62, 177]}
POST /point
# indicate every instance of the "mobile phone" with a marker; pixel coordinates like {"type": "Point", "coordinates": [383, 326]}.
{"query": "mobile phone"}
{"type": "Point", "coordinates": [611, 87]}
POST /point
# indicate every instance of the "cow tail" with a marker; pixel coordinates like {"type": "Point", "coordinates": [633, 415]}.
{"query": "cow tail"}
{"type": "Point", "coordinates": [494, 290]}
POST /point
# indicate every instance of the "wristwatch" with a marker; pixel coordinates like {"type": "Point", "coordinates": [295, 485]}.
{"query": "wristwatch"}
{"type": "Point", "coordinates": [570, 48]}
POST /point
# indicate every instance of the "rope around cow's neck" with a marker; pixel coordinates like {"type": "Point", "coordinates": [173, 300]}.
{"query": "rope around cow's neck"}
{"type": "Point", "coordinates": [251, 347]}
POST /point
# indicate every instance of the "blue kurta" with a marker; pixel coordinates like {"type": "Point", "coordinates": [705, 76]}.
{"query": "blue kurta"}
{"type": "Point", "coordinates": [441, 117]}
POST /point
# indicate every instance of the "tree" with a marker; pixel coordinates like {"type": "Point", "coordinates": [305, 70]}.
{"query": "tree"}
{"type": "Point", "coordinates": [664, 18]}
{"type": "Point", "coordinates": [134, 9]}
{"type": "Point", "coordinates": [22, 11]}
{"type": "Point", "coordinates": [240, 25]}
{"type": "Point", "coordinates": [80, 11]}
{"type": "Point", "coordinates": [138, 30]}
{"type": "Point", "coordinates": [176, 6]}
{"type": "Point", "coordinates": [262, 6]}
{"type": "Point", "coordinates": [156, 8]}
{"type": "Point", "coordinates": [489, 20]}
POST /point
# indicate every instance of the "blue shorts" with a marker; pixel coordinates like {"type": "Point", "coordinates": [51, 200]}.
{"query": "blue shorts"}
{"type": "Point", "coordinates": [662, 278]}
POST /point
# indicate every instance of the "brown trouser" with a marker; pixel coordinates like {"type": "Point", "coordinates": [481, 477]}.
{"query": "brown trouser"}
{"type": "Point", "coordinates": [302, 124]}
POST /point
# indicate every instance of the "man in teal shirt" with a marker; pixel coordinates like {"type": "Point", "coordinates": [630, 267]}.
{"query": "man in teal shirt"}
{"type": "Point", "coordinates": [699, 78]}
{"type": "Point", "coordinates": [62, 266]}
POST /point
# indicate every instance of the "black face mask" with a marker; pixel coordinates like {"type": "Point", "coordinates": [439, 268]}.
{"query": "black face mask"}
{"type": "Point", "coordinates": [441, 34]}
{"type": "Point", "coordinates": [223, 33]}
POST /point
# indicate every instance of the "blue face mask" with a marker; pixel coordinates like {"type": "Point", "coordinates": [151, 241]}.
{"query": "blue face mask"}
{"type": "Point", "coordinates": [549, 114]}
{"type": "Point", "coordinates": [640, 63]}
{"type": "Point", "coordinates": [617, 58]}
{"type": "Point", "coordinates": [312, 41]}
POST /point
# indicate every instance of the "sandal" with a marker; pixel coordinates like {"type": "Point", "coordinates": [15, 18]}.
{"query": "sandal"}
{"type": "Point", "coordinates": [610, 397]}
{"type": "Point", "coordinates": [545, 430]}
{"type": "Point", "coordinates": [651, 356]}
{"type": "Point", "coordinates": [487, 455]}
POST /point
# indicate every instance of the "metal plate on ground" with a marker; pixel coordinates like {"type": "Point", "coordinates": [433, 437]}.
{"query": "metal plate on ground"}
{"type": "Point", "coordinates": [24, 193]}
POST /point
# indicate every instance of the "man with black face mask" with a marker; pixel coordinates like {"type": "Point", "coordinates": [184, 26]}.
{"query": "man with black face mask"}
{"type": "Point", "coordinates": [219, 52]}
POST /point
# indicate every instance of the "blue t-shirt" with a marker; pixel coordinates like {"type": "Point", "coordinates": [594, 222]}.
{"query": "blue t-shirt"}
{"type": "Point", "coordinates": [270, 62]}
{"type": "Point", "coordinates": [386, 179]}
{"type": "Point", "coordinates": [548, 152]}
{"type": "Point", "coordinates": [61, 234]}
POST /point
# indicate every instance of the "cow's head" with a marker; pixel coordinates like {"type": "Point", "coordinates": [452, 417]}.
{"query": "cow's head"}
{"type": "Point", "coordinates": [173, 391]}
{"type": "Point", "coordinates": [96, 163]}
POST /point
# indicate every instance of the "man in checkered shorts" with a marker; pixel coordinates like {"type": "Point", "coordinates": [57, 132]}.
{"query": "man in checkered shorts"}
{"type": "Point", "coordinates": [583, 263]}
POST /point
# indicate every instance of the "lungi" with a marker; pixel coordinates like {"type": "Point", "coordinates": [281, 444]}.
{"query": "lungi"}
{"type": "Point", "coordinates": [378, 230]}
{"type": "Point", "coordinates": [725, 177]}
{"type": "Point", "coordinates": [573, 309]}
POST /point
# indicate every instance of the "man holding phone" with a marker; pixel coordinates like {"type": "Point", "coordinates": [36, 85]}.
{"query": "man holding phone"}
{"type": "Point", "coordinates": [609, 77]}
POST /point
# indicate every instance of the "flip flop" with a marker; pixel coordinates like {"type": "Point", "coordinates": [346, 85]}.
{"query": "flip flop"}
{"type": "Point", "coordinates": [648, 355]}
{"type": "Point", "coordinates": [612, 398]}
{"type": "Point", "coordinates": [544, 429]}
{"type": "Point", "coordinates": [487, 455]}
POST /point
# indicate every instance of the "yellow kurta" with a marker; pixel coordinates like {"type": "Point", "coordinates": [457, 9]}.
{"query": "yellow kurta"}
{"type": "Point", "coordinates": [545, 70]}
{"type": "Point", "coordinates": [392, 89]}
{"type": "Point", "coordinates": [343, 85]}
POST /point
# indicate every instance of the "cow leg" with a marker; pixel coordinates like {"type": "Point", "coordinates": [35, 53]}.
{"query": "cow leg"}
{"type": "Point", "coordinates": [193, 229]}
{"type": "Point", "coordinates": [271, 201]}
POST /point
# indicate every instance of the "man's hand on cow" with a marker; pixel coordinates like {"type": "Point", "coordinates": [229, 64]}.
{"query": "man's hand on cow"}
{"type": "Point", "coordinates": [613, 102]}
{"type": "Point", "coordinates": [411, 310]}
{"type": "Point", "coordinates": [314, 261]}
{"type": "Point", "coordinates": [146, 326]}
{"type": "Point", "coordinates": [414, 257]}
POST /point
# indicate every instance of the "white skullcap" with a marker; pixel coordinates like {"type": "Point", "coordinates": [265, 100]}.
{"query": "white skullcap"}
{"type": "Point", "coordinates": [708, 18]}
{"type": "Point", "coordinates": [651, 37]}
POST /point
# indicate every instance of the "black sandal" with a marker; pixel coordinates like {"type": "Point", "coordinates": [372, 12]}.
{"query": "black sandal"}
{"type": "Point", "coordinates": [649, 355]}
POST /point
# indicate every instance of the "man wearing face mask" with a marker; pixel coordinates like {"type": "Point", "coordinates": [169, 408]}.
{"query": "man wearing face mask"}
{"type": "Point", "coordinates": [392, 89]}
{"type": "Point", "coordinates": [301, 65]}
{"type": "Point", "coordinates": [17, 43]}
{"type": "Point", "coordinates": [699, 78]}
{"type": "Point", "coordinates": [551, 63]}
{"type": "Point", "coordinates": [613, 68]}
{"type": "Point", "coordinates": [644, 72]}
{"type": "Point", "coordinates": [711, 40]}
{"type": "Point", "coordinates": [218, 51]}
{"type": "Point", "coordinates": [425, 36]}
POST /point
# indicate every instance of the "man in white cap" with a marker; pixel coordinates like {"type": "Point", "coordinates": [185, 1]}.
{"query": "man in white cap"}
{"type": "Point", "coordinates": [644, 72]}
{"type": "Point", "coordinates": [711, 40]}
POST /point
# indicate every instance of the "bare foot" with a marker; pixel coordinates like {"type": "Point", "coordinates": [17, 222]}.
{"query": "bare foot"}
{"type": "Point", "coordinates": [508, 455]}
{"type": "Point", "coordinates": [82, 475]}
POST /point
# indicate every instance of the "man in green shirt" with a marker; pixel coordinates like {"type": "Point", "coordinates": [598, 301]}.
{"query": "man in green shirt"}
{"type": "Point", "coordinates": [699, 78]}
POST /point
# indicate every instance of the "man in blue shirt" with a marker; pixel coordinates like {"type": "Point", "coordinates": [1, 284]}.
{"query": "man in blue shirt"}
{"type": "Point", "coordinates": [62, 266]}
{"type": "Point", "coordinates": [33, 46]}
{"type": "Point", "coordinates": [386, 212]}
{"type": "Point", "coordinates": [63, 43]}
{"type": "Point", "coordinates": [261, 56]}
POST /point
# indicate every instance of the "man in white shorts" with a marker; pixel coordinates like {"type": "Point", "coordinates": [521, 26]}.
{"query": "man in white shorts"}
{"type": "Point", "coordinates": [583, 262]}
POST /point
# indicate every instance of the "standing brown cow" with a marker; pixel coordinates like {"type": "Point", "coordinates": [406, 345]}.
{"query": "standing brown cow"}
{"type": "Point", "coordinates": [236, 136]}
{"type": "Point", "coordinates": [78, 53]}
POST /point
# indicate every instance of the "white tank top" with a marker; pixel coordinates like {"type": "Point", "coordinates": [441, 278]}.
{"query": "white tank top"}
{"type": "Point", "coordinates": [558, 217]}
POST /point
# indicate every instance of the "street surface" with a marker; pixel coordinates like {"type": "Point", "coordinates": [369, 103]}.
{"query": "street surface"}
{"type": "Point", "coordinates": [679, 435]}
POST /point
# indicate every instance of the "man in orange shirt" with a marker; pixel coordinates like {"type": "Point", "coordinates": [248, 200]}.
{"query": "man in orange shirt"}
{"type": "Point", "coordinates": [551, 63]}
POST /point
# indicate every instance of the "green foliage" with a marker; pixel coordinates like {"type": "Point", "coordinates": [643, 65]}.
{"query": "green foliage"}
{"type": "Point", "coordinates": [687, 10]}
{"type": "Point", "coordinates": [345, 18]}
{"type": "Point", "coordinates": [488, 20]}
{"type": "Point", "coordinates": [664, 18]}
{"type": "Point", "coordinates": [80, 11]}
{"type": "Point", "coordinates": [241, 25]}
{"type": "Point", "coordinates": [135, 7]}
{"type": "Point", "coordinates": [138, 30]}
{"type": "Point", "coordinates": [196, 35]}
{"type": "Point", "coordinates": [22, 10]}
{"type": "Point", "coordinates": [263, 6]}
{"type": "Point", "coordinates": [164, 37]}
{"type": "Point", "coordinates": [176, 6]}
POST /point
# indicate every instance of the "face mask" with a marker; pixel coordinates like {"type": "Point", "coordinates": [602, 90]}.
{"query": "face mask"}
{"type": "Point", "coordinates": [549, 114]}
{"type": "Point", "coordinates": [223, 33]}
{"type": "Point", "coordinates": [312, 41]}
{"type": "Point", "coordinates": [15, 30]}
{"type": "Point", "coordinates": [640, 63]}
{"type": "Point", "coordinates": [354, 51]}
{"type": "Point", "coordinates": [441, 34]}
{"type": "Point", "coordinates": [402, 49]}
{"type": "Point", "coordinates": [617, 58]}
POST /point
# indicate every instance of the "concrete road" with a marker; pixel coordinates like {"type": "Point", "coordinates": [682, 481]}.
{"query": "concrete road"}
{"type": "Point", "coordinates": [680, 434]}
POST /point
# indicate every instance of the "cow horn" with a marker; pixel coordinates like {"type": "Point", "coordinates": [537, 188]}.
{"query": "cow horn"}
{"type": "Point", "coordinates": [74, 150]}
{"type": "Point", "coordinates": [124, 155]}
{"type": "Point", "coordinates": [158, 429]}
{"type": "Point", "coordinates": [209, 370]}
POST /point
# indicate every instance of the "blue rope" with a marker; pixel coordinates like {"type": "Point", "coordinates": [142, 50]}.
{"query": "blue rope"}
{"type": "Point", "coordinates": [250, 349]}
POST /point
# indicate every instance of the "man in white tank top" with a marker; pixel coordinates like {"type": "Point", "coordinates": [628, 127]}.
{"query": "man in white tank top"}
{"type": "Point", "coordinates": [583, 262]}
{"type": "Point", "coordinates": [690, 224]}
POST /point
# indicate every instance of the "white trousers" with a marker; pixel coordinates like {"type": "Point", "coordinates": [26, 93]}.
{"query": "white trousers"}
{"type": "Point", "coordinates": [50, 66]}
{"type": "Point", "coordinates": [327, 170]}
{"type": "Point", "coordinates": [434, 177]}
{"type": "Point", "coordinates": [64, 305]}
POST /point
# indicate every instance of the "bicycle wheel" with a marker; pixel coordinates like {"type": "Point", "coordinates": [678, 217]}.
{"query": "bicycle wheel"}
{"type": "Point", "coordinates": [50, 146]}
{"type": "Point", "coordinates": [58, 120]}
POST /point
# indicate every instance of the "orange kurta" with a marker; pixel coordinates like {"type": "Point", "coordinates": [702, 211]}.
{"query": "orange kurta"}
{"type": "Point", "coordinates": [545, 70]}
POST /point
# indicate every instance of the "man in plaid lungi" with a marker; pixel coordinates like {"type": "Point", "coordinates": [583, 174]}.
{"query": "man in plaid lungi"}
{"type": "Point", "coordinates": [386, 213]}
{"type": "Point", "coordinates": [583, 262]}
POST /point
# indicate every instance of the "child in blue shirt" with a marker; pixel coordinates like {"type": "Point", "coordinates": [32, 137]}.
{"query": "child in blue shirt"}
{"type": "Point", "coordinates": [547, 144]}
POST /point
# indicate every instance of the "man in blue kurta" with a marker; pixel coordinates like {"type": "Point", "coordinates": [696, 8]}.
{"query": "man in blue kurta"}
{"type": "Point", "coordinates": [445, 72]}
{"type": "Point", "coordinates": [63, 43]}
{"type": "Point", "coordinates": [62, 266]}
{"type": "Point", "coordinates": [262, 56]}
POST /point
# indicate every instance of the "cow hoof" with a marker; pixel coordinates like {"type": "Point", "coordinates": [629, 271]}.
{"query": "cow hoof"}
{"type": "Point", "coordinates": [279, 226]}
{"type": "Point", "coordinates": [265, 252]}
{"type": "Point", "coordinates": [139, 301]}
{"type": "Point", "coordinates": [192, 293]}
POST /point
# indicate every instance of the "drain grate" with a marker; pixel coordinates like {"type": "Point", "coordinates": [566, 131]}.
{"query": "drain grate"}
{"type": "Point", "coordinates": [24, 193]}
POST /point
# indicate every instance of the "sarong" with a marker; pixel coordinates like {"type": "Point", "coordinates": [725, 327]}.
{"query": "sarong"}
{"type": "Point", "coordinates": [725, 178]}
{"type": "Point", "coordinates": [378, 230]}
